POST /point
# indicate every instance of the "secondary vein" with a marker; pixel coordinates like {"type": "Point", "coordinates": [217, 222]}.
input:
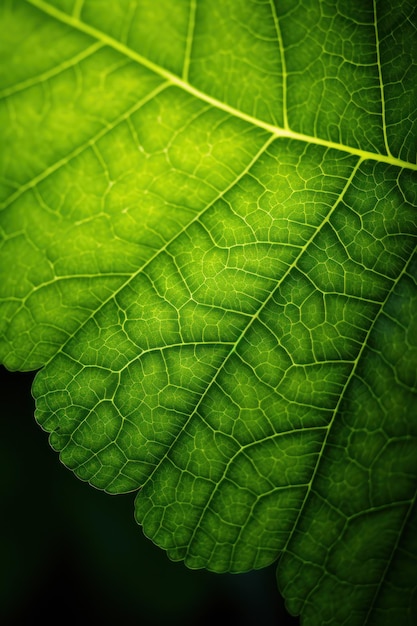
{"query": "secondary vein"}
{"type": "Point", "coordinates": [381, 84]}
{"type": "Point", "coordinates": [189, 41]}
{"type": "Point", "coordinates": [55, 71]}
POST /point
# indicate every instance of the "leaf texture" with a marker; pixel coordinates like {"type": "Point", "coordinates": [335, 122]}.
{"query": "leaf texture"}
{"type": "Point", "coordinates": [208, 244]}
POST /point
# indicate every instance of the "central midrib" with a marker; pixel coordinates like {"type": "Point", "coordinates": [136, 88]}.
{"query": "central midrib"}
{"type": "Point", "coordinates": [276, 131]}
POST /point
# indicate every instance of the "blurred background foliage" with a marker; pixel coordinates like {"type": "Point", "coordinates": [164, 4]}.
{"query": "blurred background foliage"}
{"type": "Point", "coordinates": [72, 553]}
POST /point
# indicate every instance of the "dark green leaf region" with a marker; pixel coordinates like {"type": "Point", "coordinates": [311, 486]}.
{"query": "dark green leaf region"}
{"type": "Point", "coordinates": [208, 234]}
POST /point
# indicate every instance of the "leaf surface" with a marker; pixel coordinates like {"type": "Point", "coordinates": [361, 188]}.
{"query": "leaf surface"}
{"type": "Point", "coordinates": [208, 235]}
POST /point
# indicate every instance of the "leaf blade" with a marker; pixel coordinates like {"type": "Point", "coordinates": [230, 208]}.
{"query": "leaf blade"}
{"type": "Point", "coordinates": [214, 361]}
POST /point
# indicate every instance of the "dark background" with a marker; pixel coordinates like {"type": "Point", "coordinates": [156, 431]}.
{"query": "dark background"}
{"type": "Point", "coordinates": [71, 553]}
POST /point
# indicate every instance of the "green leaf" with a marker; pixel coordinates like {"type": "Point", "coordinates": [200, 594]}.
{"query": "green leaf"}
{"type": "Point", "coordinates": [208, 244]}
